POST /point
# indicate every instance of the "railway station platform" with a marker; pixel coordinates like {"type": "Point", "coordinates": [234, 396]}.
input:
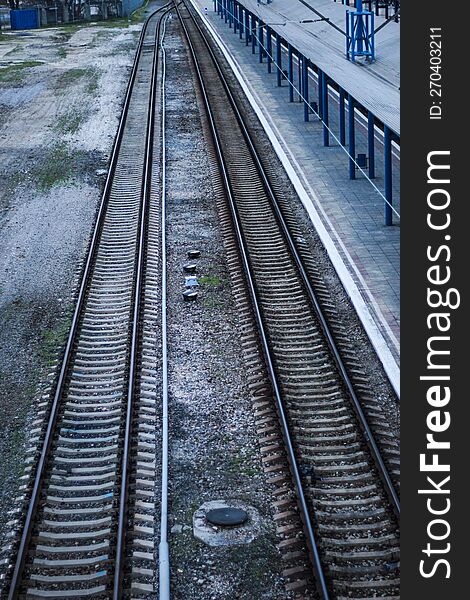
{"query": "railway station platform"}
{"type": "Point", "coordinates": [344, 193]}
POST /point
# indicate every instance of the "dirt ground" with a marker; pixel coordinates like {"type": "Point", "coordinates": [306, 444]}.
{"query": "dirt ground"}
{"type": "Point", "coordinates": [61, 91]}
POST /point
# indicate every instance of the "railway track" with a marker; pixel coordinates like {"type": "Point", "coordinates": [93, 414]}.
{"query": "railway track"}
{"type": "Point", "coordinates": [89, 528]}
{"type": "Point", "coordinates": [345, 480]}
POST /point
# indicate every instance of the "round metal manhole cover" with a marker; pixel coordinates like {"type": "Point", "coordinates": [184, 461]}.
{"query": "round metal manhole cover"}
{"type": "Point", "coordinates": [227, 516]}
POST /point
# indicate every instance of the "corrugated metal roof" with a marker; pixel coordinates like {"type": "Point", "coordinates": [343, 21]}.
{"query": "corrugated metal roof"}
{"type": "Point", "coordinates": [376, 86]}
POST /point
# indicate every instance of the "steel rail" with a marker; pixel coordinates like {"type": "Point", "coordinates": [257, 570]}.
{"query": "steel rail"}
{"type": "Point", "coordinates": [61, 381]}
{"type": "Point", "coordinates": [136, 319]}
{"type": "Point", "coordinates": [163, 548]}
{"type": "Point", "coordinates": [311, 541]}
{"type": "Point", "coordinates": [356, 405]}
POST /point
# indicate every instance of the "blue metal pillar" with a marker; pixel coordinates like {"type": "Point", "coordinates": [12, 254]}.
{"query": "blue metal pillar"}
{"type": "Point", "coordinates": [320, 82]}
{"type": "Point", "coordinates": [388, 175]}
{"type": "Point", "coordinates": [269, 48]}
{"type": "Point", "coordinates": [305, 87]}
{"type": "Point", "coordinates": [235, 17]}
{"type": "Point", "coordinates": [278, 60]}
{"type": "Point", "coordinates": [260, 41]}
{"type": "Point", "coordinates": [215, 6]}
{"type": "Point", "coordinates": [352, 138]}
{"type": "Point", "coordinates": [342, 118]}
{"type": "Point", "coordinates": [230, 13]}
{"type": "Point", "coordinates": [326, 132]}
{"type": "Point", "coordinates": [253, 34]}
{"type": "Point", "coordinates": [370, 144]}
{"type": "Point", "coordinates": [241, 26]}
{"type": "Point", "coordinates": [247, 28]}
{"type": "Point", "coordinates": [225, 10]}
{"type": "Point", "coordinates": [290, 72]}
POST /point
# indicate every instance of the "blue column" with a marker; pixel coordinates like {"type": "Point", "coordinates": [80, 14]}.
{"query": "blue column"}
{"type": "Point", "coordinates": [215, 6]}
{"type": "Point", "coordinates": [253, 34]}
{"type": "Point", "coordinates": [279, 60]}
{"type": "Point", "coordinates": [290, 72]}
{"type": "Point", "coordinates": [388, 175]}
{"type": "Point", "coordinates": [352, 138]}
{"type": "Point", "coordinates": [247, 28]}
{"type": "Point", "coordinates": [299, 65]}
{"type": "Point", "coordinates": [235, 17]}
{"type": "Point", "coordinates": [269, 48]}
{"type": "Point", "coordinates": [225, 10]}
{"type": "Point", "coordinates": [240, 24]}
{"type": "Point", "coordinates": [230, 9]}
{"type": "Point", "coordinates": [342, 118]}
{"type": "Point", "coordinates": [370, 144]}
{"type": "Point", "coordinates": [260, 41]}
{"type": "Point", "coordinates": [320, 92]}
{"type": "Point", "coordinates": [326, 133]}
{"type": "Point", "coordinates": [305, 87]}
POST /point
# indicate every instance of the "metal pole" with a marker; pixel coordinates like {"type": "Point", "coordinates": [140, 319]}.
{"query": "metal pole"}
{"type": "Point", "coordinates": [299, 65]}
{"type": "Point", "coordinates": [269, 48]}
{"type": "Point", "coordinates": [247, 28]}
{"type": "Point", "coordinates": [278, 60]}
{"type": "Point", "coordinates": [342, 118]}
{"type": "Point", "coordinates": [371, 146]}
{"type": "Point", "coordinates": [260, 41]}
{"type": "Point", "coordinates": [352, 139]}
{"type": "Point", "coordinates": [241, 27]}
{"type": "Point", "coordinates": [253, 34]}
{"type": "Point", "coordinates": [320, 92]}
{"type": "Point", "coordinates": [290, 72]}
{"type": "Point", "coordinates": [305, 86]}
{"type": "Point", "coordinates": [388, 175]}
{"type": "Point", "coordinates": [326, 133]}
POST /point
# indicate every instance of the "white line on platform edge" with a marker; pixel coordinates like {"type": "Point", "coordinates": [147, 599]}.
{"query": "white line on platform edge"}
{"type": "Point", "coordinates": [313, 206]}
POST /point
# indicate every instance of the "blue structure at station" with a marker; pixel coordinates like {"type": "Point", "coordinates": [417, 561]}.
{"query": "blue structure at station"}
{"type": "Point", "coordinates": [359, 43]}
{"type": "Point", "coordinates": [360, 33]}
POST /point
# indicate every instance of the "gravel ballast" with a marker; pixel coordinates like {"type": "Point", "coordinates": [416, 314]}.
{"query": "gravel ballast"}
{"type": "Point", "coordinates": [214, 451]}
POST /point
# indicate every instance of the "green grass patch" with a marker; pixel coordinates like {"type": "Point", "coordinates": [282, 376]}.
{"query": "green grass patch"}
{"type": "Point", "coordinates": [61, 52]}
{"type": "Point", "coordinates": [70, 76]}
{"type": "Point", "coordinates": [58, 165]}
{"type": "Point", "coordinates": [210, 280]}
{"type": "Point", "coordinates": [15, 73]}
{"type": "Point", "coordinates": [93, 83]}
{"type": "Point", "coordinates": [70, 121]}
{"type": "Point", "coordinates": [53, 340]}
{"type": "Point", "coordinates": [90, 77]}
